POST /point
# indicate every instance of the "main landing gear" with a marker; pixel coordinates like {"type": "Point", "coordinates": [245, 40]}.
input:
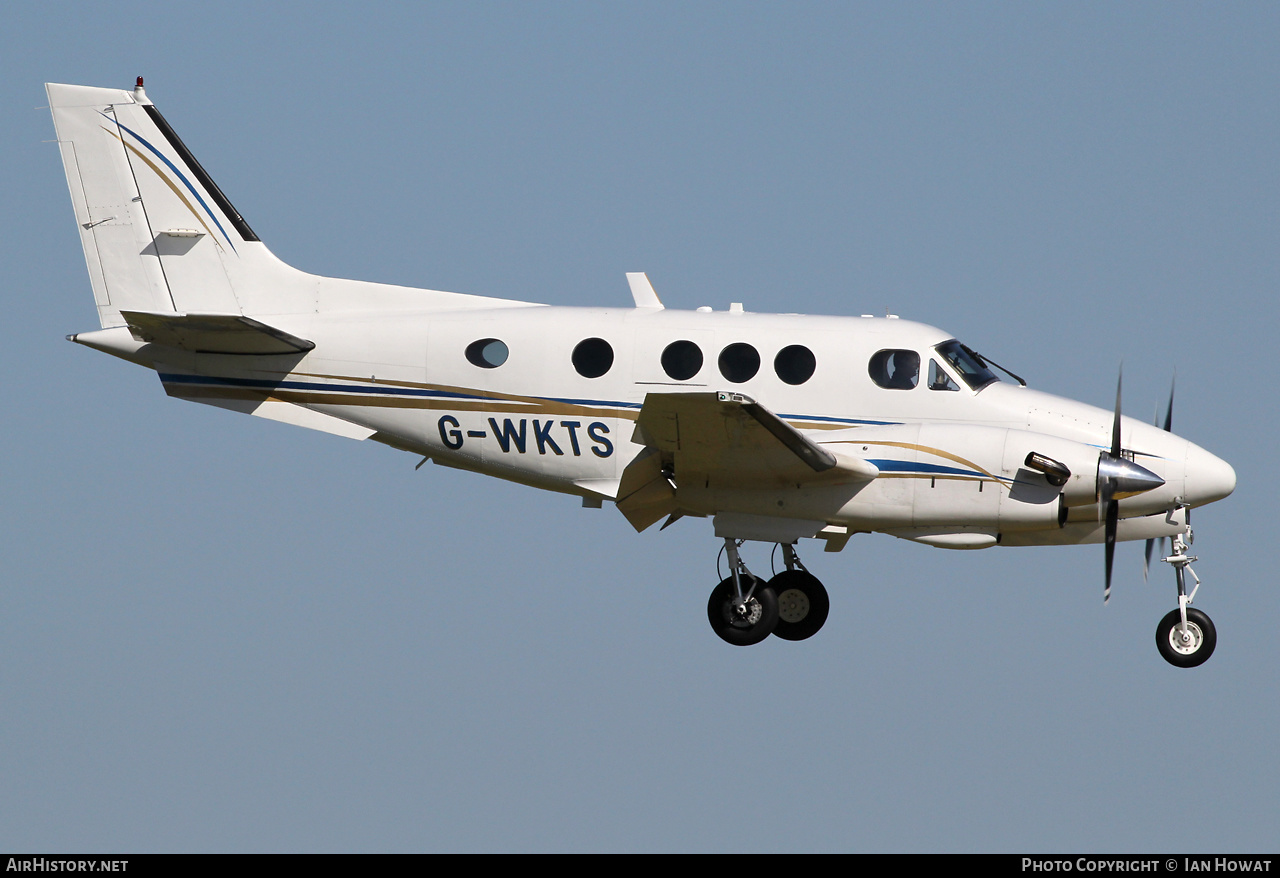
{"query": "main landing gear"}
{"type": "Point", "coordinates": [745, 609]}
{"type": "Point", "coordinates": [1185, 637]}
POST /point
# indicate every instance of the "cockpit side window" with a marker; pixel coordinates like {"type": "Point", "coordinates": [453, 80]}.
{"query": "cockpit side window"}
{"type": "Point", "coordinates": [964, 361]}
{"type": "Point", "coordinates": [895, 369]}
{"type": "Point", "coordinates": [938, 378]}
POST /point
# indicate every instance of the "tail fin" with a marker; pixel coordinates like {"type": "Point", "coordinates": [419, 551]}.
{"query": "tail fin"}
{"type": "Point", "coordinates": [161, 238]}
{"type": "Point", "coordinates": [158, 234]}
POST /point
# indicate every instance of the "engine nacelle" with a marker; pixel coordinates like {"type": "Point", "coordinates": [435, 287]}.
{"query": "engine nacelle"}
{"type": "Point", "coordinates": [1069, 467]}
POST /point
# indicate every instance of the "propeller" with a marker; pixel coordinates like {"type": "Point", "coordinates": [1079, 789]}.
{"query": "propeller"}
{"type": "Point", "coordinates": [1107, 491]}
{"type": "Point", "coordinates": [1168, 428]}
{"type": "Point", "coordinates": [1119, 477]}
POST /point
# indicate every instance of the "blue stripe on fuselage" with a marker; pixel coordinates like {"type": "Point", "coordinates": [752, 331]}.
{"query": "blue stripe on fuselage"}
{"type": "Point", "coordinates": [387, 390]}
{"type": "Point", "coordinates": [933, 469]}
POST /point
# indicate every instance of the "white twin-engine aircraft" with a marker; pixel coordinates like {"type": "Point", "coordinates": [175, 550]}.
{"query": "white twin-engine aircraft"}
{"type": "Point", "coordinates": [776, 426]}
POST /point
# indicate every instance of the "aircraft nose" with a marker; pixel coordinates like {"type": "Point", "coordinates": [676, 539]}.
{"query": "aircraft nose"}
{"type": "Point", "coordinates": [1209, 478]}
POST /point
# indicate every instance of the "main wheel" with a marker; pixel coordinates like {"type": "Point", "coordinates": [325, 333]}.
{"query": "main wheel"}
{"type": "Point", "coordinates": [748, 624]}
{"type": "Point", "coordinates": [802, 604]}
{"type": "Point", "coordinates": [1191, 650]}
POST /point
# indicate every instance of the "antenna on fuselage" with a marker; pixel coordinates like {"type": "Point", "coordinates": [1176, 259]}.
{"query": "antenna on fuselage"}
{"type": "Point", "coordinates": [642, 291]}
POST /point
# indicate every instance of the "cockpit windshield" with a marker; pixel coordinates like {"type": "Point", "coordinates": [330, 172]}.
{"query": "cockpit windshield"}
{"type": "Point", "coordinates": [968, 364]}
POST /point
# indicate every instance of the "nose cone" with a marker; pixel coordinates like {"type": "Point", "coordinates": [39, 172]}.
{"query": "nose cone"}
{"type": "Point", "coordinates": [1208, 478]}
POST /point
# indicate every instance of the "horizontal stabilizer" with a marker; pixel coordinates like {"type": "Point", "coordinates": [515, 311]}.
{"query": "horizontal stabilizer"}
{"type": "Point", "coordinates": [213, 333]}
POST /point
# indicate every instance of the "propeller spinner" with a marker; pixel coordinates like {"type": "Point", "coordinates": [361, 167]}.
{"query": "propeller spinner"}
{"type": "Point", "coordinates": [1119, 477]}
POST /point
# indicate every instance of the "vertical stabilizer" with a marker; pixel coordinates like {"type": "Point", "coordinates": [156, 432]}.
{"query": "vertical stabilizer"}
{"type": "Point", "coordinates": [160, 237]}
{"type": "Point", "coordinates": [158, 233]}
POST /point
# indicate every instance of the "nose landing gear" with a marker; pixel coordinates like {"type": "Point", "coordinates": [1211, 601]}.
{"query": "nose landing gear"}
{"type": "Point", "coordinates": [1185, 637]}
{"type": "Point", "coordinates": [744, 609]}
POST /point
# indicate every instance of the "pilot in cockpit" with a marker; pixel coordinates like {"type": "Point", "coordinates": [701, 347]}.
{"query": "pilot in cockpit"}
{"type": "Point", "coordinates": [906, 370]}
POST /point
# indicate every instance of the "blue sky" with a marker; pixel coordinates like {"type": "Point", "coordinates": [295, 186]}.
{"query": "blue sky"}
{"type": "Point", "coordinates": [220, 633]}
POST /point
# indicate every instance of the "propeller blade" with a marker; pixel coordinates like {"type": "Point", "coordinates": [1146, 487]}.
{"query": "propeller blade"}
{"type": "Point", "coordinates": [1115, 424]}
{"type": "Point", "coordinates": [1109, 490]}
{"type": "Point", "coordinates": [1168, 428]}
{"type": "Point", "coordinates": [1113, 525]}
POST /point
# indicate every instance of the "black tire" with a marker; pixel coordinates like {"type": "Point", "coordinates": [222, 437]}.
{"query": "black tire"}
{"type": "Point", "coordinates": [1203, 639]}
{"type": "Point", "coordinates": [803, 604]}
{"type": "Point", "coordinates": [730, 626]}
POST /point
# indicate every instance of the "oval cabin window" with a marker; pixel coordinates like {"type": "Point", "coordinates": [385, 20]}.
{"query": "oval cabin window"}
{"type": "Point", "coordinates": [487, 353]}
{"type": "Point", "coordinates": [795, 364]}
{"type": "Point", "coordinates": [681, 360]}
{"type": "Point", "coordinates": [739, 362]}
{"type": "Point", "coordinates": [895, 370]}
{"type": "Point", "coordinates": [593, 357]}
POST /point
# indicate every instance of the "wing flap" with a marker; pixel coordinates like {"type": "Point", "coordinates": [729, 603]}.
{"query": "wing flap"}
{"type": "Point", "coordinates": [645, 492]}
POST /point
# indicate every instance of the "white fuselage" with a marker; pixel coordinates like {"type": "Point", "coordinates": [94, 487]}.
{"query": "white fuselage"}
{"type": "Point", "coordinates": [177, 273]}
{"type": "Point", "coordinates": [950, 460]}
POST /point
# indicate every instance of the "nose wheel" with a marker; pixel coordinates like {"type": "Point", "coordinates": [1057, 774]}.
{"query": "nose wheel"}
{"type": "Point", "coordinates": [1186, 645]}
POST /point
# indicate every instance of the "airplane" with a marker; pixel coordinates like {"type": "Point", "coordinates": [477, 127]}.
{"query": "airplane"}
{"type": "Point", "coordinates": [777, 427]}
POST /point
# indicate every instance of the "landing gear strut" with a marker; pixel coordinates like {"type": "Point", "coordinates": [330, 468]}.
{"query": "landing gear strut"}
{"type": "Point", "coordinates": [744, 609]}
{"type": "Point", "coordinates": [1185, 637]}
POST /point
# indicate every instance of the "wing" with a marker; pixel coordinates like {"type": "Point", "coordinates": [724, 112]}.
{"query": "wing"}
{"type": "Point", "coordinates": [726, 439]}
